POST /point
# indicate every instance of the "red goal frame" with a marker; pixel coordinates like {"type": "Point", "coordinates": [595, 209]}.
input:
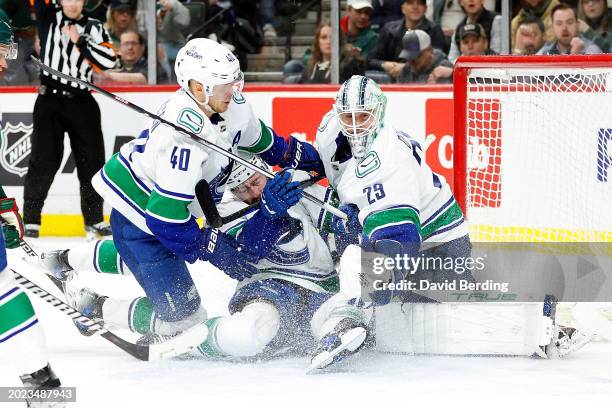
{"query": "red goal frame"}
{"type": "Point", "coordinates": [462, 69]}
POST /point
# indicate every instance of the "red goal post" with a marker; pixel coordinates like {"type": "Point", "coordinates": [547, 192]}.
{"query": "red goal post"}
{"type": "Point", "coordinates": [529, 132]}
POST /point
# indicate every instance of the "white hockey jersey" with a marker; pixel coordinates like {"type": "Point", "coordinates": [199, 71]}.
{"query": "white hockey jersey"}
{"type": "Point", "coordinates": [302, 254]}
{"type": "Point", "coordinates": [392, 184]}
{"type": "Point", "coordinates": [155, 175]}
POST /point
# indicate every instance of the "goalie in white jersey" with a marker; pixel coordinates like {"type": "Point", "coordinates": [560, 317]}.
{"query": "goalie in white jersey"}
{"type": "Point", "coordinates": [392, 196]}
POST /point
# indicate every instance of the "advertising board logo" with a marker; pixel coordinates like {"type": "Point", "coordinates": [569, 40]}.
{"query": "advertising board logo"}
{"type": "Point", "coordinates": [15, 147]}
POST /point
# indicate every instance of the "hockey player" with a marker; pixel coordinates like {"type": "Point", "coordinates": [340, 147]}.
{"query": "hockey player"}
{"type": "Point", "coordinates": [392, 197]}
{"type": "Point", "coordinates": [271, 310]}
{"type": "Point", "coordinates": [150, 184]}
{"type": "Point", "coordinates": [21, 338]}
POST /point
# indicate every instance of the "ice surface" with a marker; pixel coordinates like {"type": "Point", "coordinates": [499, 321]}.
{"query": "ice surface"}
{"type": "Point", "coordinates": [106, 377]}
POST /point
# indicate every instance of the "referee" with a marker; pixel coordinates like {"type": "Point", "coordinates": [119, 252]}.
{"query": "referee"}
{"type": "Point", "coordinates": [76, 45]}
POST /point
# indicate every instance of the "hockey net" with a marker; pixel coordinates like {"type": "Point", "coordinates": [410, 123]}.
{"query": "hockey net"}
{"type": "Point", "coordinates": [533, 149]}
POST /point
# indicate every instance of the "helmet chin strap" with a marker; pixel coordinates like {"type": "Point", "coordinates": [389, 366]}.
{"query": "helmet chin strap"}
{"type": "Point", "coordinates": [204, 105]}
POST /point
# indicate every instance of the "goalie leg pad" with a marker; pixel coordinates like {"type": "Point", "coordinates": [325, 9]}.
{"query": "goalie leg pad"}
{"type": "Point", "coordinates": [463, 329]}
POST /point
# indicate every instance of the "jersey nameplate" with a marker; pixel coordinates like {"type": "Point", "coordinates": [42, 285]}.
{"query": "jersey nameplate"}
{"type": "Point", "coordinates": [191, 119]}
{"type": "Point", "coordinates": [367, 165]}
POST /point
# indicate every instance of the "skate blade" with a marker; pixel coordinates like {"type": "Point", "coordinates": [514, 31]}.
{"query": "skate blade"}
{"type": "Point", "coordinates": [351, 341]}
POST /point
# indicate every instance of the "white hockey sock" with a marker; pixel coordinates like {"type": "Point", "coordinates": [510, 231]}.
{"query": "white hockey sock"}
{"type": "Point", "coordinates": [22, 341]}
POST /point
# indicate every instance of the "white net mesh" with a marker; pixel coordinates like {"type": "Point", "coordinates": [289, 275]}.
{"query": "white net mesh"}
{"type": "Point", "coordinates": [539, 155]}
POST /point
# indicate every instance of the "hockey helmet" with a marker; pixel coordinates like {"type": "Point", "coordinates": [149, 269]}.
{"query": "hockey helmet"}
{"type": "Point", "coordinates": [360, 109]}
{"type": "Point", "coordinates": [209, 63]}
{"type": "Point", "coordinates": [240, 173]}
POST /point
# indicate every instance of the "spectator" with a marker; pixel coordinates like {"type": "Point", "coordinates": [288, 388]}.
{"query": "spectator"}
{"type": "Point", "coordinates": [529, 36]}
{"type": "Point", "coordinates": [385, 56]}
{"type": "Point", "coordinates": [66, 107]}
{"type": "Point", "coordinates": [476, 13]}
{"type": "Point", "coordinates": [134, 65]}
{"type": "Point", "coordinates": [423, 62]}
{"type": "Point", "coordinates": [384, 12]}
{"type": "Point", "coordinates": [267, 11]}
{"type": "Point", "coordinates": [355, 26]}
{"type": "Point", "coordinates": [20, 71]}
{"type": "Point", "coordinates": [567, 39]}
{"type": "Point", "coordinates": [97, 9]}
{"type": "Point", "coordinates": [473, 40]}
{"type": "Point", "coordinates": [449, 13]}
{"type": "Point", "coordinates": [541, 9]}
{"type": "Point", "coordinates": [172, 19]}
{"type": "Point", "coordinates": [121, 16]}
{"type": "Point", "coordinates": [318, 69]}
{"type": "Point", "coordinates": [598, 17]}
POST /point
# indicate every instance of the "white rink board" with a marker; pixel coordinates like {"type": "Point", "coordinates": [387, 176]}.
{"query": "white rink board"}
{"type": "Point", "coordinates": [405, 109]}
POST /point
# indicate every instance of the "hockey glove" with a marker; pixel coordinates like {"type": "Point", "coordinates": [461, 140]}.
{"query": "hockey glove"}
{"type": "Point", "coordinates": [12, 225]}
{"type": "Point", "coordinates": [340, 226]}
{"type": "Point", "coordinates": [224, 252]}
{"type": "Point", "coordinates": [279, 195]}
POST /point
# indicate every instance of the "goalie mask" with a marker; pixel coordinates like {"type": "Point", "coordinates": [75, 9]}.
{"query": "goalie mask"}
{"type": "Point", "coordinates": [210, 64]}
{"type": "Point", "coordinates": [360, 109]}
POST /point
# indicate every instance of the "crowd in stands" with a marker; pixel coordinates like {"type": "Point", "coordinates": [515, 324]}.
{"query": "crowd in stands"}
{"type": "Point", "coordinates": [391, 41]}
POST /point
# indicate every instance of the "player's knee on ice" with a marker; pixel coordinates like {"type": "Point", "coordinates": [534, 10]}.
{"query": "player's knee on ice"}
{"type": "Point", "coordinates": [246, 333]}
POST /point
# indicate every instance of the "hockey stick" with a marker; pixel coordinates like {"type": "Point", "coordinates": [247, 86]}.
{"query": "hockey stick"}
{"type": "Point", "coordinates": [211, 214]}
{"type": "Point", "coordinates": [173, 347]}
{"type": "Point", "coordinates": [194, 137]}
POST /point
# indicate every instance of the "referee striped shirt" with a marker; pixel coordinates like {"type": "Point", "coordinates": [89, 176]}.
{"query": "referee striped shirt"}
{"type": "Point", "coordinates": [93, 50]}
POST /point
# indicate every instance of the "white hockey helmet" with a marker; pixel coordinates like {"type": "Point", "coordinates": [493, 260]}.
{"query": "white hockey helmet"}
{"type": "Point", "coordinates": [209, 63]}
{"type": "Point", "coordinates": [358, 95]}
{"type": "Point", "coordinates": [240, 173]}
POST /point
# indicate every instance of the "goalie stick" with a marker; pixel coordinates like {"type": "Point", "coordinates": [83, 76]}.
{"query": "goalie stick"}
{"type": "Point", "coordinates": [211, 214]}
{"type": "Point", "coordinates": [191, 135]}
{"type": "Point", "coordinates": [173, 347]}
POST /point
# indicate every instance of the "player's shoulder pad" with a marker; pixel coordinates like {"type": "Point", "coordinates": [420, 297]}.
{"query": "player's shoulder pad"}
{"type": "Point", "coordinates": [184, 112]}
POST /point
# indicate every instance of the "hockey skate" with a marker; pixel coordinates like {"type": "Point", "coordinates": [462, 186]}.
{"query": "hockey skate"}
{"type": "Point", "coordinates": [87, 302]}
{"type": "Point", "coordinates": [565, 340]}
{"type": "Point", "coordinates": [44, 378]}
{"type": "Point", "coordinates": [345, 339]}
{"type": "Point", "coordinates": [97, 231]}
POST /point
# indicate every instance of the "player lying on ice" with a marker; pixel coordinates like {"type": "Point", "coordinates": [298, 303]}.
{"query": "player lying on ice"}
{"type": "Point", "coordinates": [150, 183]}
{"type": "Point", "coordinates": [292, 274]}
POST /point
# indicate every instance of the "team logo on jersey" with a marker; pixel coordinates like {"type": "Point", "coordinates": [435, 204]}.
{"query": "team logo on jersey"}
{"type": "Point", "coordinates": [368, 164]}
{"type": "Point", "coordinates": [16, 146]}
{"type": "Point", "coordinates": [191, 119]}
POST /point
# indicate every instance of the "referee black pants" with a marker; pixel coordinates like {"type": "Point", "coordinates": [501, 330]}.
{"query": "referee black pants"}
{"type": "Point", "coordinates": [53, 116]}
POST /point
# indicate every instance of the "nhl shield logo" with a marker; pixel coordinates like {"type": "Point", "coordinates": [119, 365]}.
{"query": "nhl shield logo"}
{"type": "Point", "coordinates": [15, 148]}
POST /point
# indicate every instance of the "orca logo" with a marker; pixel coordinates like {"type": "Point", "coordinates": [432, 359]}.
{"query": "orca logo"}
{"type": "Point", "coordinates": [16, 147]}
